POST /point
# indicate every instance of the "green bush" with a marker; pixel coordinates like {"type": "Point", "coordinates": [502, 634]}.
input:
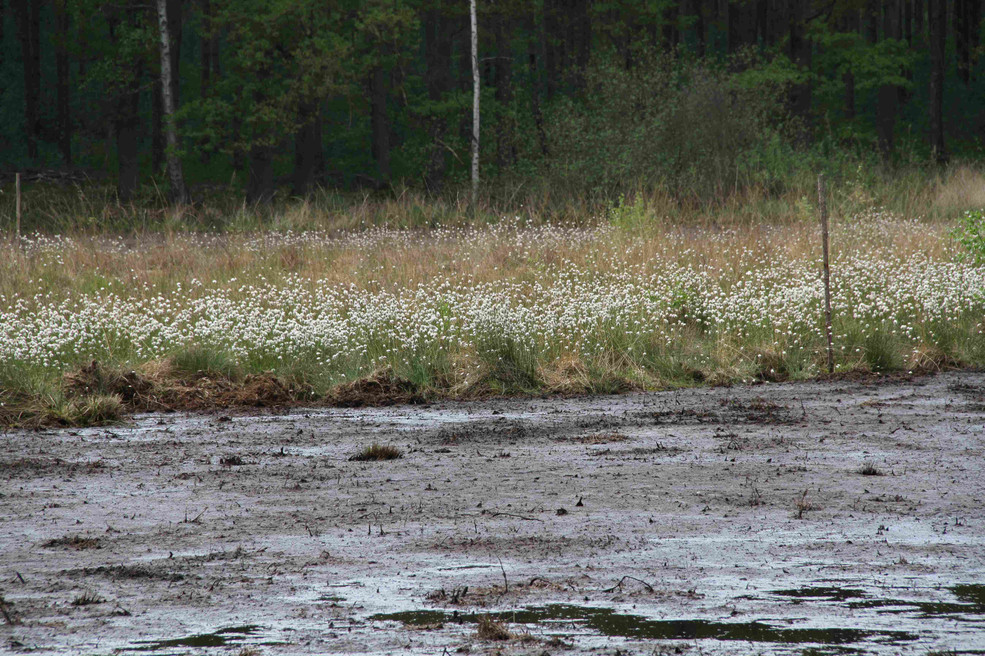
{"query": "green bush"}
{"type": "Point", "coordinates": [692, 128]}
{"type": "Point", "coordinates": [971, 236]}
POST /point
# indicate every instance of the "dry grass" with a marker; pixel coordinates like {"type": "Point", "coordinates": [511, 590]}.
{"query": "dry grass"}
{"type": "Point", "coordinates": [869, 469]}
{"type": "Point", "coordinates": [376, 452]}
{"type": "Point", "coordinates": [88, 599]}
{"type": "Point", "coordinates": [646, 233]}
{"type": "Point", "coordinates": [77, 542]}
{"type": "Point", "coordinates": [490, 630]}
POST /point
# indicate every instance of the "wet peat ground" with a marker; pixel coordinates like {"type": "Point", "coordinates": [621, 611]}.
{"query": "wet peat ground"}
{"type": "Point", "coordinates": [806, 518]}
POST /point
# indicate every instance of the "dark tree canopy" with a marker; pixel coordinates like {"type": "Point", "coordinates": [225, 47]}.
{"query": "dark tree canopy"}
{"type": "Point", "coordinates": [285, 96]}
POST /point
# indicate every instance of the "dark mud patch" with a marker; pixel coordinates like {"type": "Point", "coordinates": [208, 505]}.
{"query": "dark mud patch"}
{"type": "Point", "coordinates": [130, 572]}
{"type": "Point", "coordinates": [759, 411]}
{"type": "Point", "coordinates": [77, 542]}
{"type": "Point", "coordinates": [36, 467]}
{"type": "Point", "coordinates": [595, 438]}
{"type": "Point", "coordinates": [494, 431]}
{"type": "Point", "coordinates": [608, 622]}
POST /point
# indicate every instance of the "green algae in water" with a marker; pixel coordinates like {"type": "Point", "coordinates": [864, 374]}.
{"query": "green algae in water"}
{"type": "Point", "coordinates": [970, 601]}
{"type": "Point", "coordinates": [219, 638]}
{"type": "Point", "coordinates": [608, 622]}
{"type": "Point", "coordinates": [823, 593]}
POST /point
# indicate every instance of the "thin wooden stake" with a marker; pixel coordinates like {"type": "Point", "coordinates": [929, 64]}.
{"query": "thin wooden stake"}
{"type": "Point", "coordinates": [17, 229]}
{"type": "Point", "coordinates": [822, 203]}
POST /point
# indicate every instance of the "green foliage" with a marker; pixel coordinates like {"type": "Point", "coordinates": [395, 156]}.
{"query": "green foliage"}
{"type": "Point", "coordinates": [970, 235]}
{"type": "Point", "coordinates": [691, 128]}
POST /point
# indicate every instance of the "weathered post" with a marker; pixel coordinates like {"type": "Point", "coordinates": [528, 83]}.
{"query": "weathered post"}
{"type": "Point", "coordinates": [822, 204]}
{"type": "Point", "coordinates": [17, 203]}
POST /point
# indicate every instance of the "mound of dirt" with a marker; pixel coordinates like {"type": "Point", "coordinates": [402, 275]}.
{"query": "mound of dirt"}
{"type": "Point", "coordinates": [262, 391]}
{"type": "Point", "coordinates": [382, 388]}
{"type": "Point", "coordinates": [134, 389]}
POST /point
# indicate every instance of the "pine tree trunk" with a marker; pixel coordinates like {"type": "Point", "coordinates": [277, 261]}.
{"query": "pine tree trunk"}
{"type": "Point", "coordinates": [62, 85]}
{"type": "Point", "coordinates": [535, 84]}
{"type": "Point", "coordinates": [29, 33]}
{"type": "Point", "coordinates": [127, 127]}
{"type": "Point", "coordinates": [437, 54]}
{"type": "Point", "coordinates": [309, 159]}
{"type": "Point", "coordinates": [260, 176]}
{"type": "Point", "coordinates": [179, 194]}
{"type": "Point", "coordinates": [503, 81]}
{"type": "Point", "coordinates": [888, 95]}
{"type": "Point", "coordinates": [475, 103]}
{"type": "Point", "coordinates": [937, 15]}
{"type": "Point", "coordinates": [380, 124]}
{"type": "Point", "coordinates": [800, 53]}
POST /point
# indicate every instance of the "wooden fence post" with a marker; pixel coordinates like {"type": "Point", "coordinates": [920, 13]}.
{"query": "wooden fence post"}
{"type": "Point", "coordinates": [822, 203]}
{"type": "Point", "coordinates": [17, 229]}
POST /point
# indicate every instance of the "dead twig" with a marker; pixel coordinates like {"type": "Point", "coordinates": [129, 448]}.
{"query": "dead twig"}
{"type": "Point", "coordinates": [8, 616]}
{"type": "Point", "coordinates": [632, 578]}
{"type": "Point", "coordinates": [506, 514]}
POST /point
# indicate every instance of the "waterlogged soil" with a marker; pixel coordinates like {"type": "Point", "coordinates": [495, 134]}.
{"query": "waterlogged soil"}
{"type": "Point", "coordinates": [834, 517]}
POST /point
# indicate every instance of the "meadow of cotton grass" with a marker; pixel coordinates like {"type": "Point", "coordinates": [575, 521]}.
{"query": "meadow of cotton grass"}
{"type": "Point", "coordinates": [510, 308]}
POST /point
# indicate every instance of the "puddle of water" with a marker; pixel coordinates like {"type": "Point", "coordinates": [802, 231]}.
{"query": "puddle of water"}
{"type": "Point", "coordinates": [220, 638]}
{"type": "Point", "coordinates": [610, 623]}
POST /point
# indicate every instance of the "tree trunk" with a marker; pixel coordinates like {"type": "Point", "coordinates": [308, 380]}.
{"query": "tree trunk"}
{"type": "Point", "coordinates": [156, 127]}
{"type": "Point", "coordinates": [437, 54]}
{"type": "Point", "coordinates": [309, 159]}
{"type": "Point", "coordinates": [553, 46]}
{"type": "Point", "coordinates": [179, 194]}
{"type": "Point", "coordinates": [850, 23]}
{"type": "Point", "coordinates": [380, 124]}
{"type": "Point", "coordinates": [700, 31]}
{"type": "Point", "coordinates": [800, 54]}
{"type": "Point", "coordinates": [29, 33]}
{"type": "Point", "coordinates": [535, 84]}
{"type": "Point", "coordinates": [175, 27]}
{"type": "Point", "coordinates": [127, 142]}
{"type": "Point", "coordinates": [503, 81]}
{"type": "Point", "coordinates": [919, 20]}
{"type": "Point", "coordinates": [888, 95]}
{"type": "Point", "coordinates": [62, 88]}
{"type": "Point", "coordinates": [260, 177]}
{"type": "Point", "coordinates": [938, 35]}
{"type": "Point", "coordinates": [475, 103]}
{"type": "Point", "coordinates": [210, 49]}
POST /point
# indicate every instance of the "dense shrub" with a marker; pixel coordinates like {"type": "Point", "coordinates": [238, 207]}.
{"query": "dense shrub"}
{"type": "Point", "coordinates": [692, 128]}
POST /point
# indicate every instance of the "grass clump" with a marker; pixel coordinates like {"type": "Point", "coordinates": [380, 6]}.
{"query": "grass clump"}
{"type": "Point", "coordinates": [376, 452]}
{"type": "Point", "coordinates": [491, 630]}
{"type": "Point", "coordinates": [77, 542]}
{"type": "Point", "coordinates": [869, 469]}
{"type": "Point", "coordinates": [87, 599]}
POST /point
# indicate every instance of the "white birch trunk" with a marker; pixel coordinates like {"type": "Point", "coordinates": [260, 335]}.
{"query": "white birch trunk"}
{"type": "Point", "coordinates": [178, 192]}
{"type": "Point", "coordinates": [475, 105]}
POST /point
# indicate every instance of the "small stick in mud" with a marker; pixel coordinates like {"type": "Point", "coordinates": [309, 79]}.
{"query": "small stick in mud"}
{"type": "Point", "coordinates": [632, 578]}
{"type": "Point", "coordinates": [506, 584]}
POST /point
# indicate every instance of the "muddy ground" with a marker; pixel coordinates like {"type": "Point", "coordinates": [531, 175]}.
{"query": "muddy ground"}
{"type": "Point", "coordinates": [794, 518]}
